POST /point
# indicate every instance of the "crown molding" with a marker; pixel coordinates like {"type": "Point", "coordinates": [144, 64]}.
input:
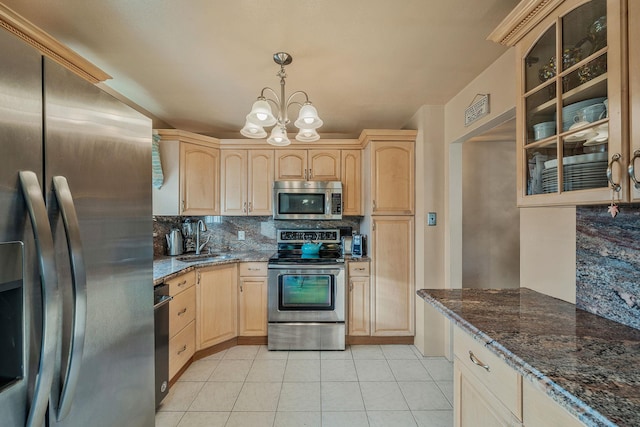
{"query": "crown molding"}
{"type": "Point", "coordinates": [48, 46]}
{"type": "Point", "coordinates": [526, 15]}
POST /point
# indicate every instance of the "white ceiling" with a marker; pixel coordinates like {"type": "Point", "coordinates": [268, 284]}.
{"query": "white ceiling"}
{"type": "Point", "coordinates": [199, 64]}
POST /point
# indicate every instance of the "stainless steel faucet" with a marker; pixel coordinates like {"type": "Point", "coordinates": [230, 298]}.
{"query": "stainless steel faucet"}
{"type": "Point", "coordinates": [200, 227]}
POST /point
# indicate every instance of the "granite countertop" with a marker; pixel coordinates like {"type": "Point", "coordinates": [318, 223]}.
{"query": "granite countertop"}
{"type": "Point", "coordinates": [586, 363]}
{"type": "Point", "coordinates": [167, 267]}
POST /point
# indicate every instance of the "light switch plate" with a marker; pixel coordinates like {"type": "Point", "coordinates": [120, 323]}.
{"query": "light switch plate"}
{"type": "Point", "coordinates": [431, 219]}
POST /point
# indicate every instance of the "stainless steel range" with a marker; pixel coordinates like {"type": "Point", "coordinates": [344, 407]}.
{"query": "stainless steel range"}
{"type": "Point", "coordinates": [306, 292]}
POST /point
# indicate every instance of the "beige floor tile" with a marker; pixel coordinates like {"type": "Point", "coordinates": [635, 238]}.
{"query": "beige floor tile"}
{"type": "Point", "coordinates": [216, 396]}
{"type": "Point", "coordinates": [267, 370]}
{"type": "Point", "coordinates": [180, 396]}
{"type": "Point", "coordinates": [447, 389]}
{"type": "Point", "coordinates": [200, 370]}
{"type": "Point", "coordinates": [300, 397]}
{"type": "Point", "coordinates": [264, 353]}
{"type": "Point", "coordinates": [168, 419]}
{"type": "Point", "coordinates": [231, 370]}
{"type": "Point", "coordinates": [242, 352]}
{"type": "Point", "coordinates": [338, 370]}
{"type": "Point", "coordinates": [345, 419]}
{"type": "Point", "coordinates": [338, 354]}
{"type": "Point", "coordinates": [383, 396]}
{"type": "Point", "coordinates": [434, 418]}
{"type": "Point", "coordinates": [302, 371]}
{"type": "Point", "coordinates": [439, 368]}
{"type": "Point", "coordinates": [367, 352]}
{"type": "Point", "coordinates": [391, 418]}
{"type": "Point", "coordinates": [258, 397]}
{"type": "Point", "coordinates": [401, 352]}
{"type": "Point", "coordinates": [204, 419]}
{"type": "Point", "coordinates": [298, 419]}
{"type": "Point", "coordinates": [251, 419]}
{"type": "Point", "coordinates": [304, 355]}
{"type": "Point", "coordinates": [341, 396]}
{"type": "Point", "coordinates": [409, 370]}
{"type": "Point", "coordinates": [423, 396]}
{"type": "Point", "coordinates": [374, 370]}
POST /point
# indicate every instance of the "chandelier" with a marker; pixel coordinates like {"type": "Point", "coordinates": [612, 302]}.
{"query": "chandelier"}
{"type": "Point", "coordinates": [261, 115]}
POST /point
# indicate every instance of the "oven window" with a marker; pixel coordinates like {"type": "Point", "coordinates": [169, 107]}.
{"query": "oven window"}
{"type": "Point", "coordinates": [306, 292]}
{"type": "Point", "coordinates": [301, 203]}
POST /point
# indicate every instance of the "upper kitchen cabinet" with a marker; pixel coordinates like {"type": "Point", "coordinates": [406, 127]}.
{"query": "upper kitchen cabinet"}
{"type": "Point", "coordinates": [191, 168]}
{"type": "Point", "coordinates": [634, 105]}
{"type": "Point", "coordinates": [572, 107]}
{"type": "Point", "coordinates": [308, 165]}
{"type": "Point", "coordinates": [351, 173]}
{"type": "Point", "coordinates": [246, 183]}
{"type": "Point", "coordinates": [389, 159]}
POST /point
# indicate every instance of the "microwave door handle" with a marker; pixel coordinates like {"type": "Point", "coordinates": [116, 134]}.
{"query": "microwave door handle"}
{"type": "Point", "coordinates": [79, 278]}
{"type": "Point", "coordinates": [328, 204]}
{"type": "Point", "coordinates": [43, 237]}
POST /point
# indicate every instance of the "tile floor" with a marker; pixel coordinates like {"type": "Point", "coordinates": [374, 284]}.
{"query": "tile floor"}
{"type": "Point", "coordinates": [366, 385]}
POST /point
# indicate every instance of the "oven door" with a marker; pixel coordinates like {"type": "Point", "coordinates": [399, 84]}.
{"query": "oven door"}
{"type": "Point", "coordinates": [306, 294]}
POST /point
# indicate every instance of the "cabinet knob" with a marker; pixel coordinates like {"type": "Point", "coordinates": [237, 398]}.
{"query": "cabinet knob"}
{"type": "Point", "coordinates": [631, 171]}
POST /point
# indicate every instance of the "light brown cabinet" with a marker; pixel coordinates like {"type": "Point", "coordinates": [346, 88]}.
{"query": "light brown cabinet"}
{"type": "Point", "coordinates": [634, 99]}
{"type": "Point", "coordinates": [538, 409]}
{"type": "Point", "coordinates": [393, 277]}
{"type": "Point", "coordinates": [252, 299]}
{"type": "Point", "coordinates": [191, 169]}
{"type": "Point", "coordinates": [572, 121]}
{"type": "Point", "coordinates": [392, 178]}
{"type": "Point", "coordinates": [351, 164]}
{"type": "Point", "coordinates": [216, 305]}
{"type": "Point", "coordinates": [182, 335]}
{"type": "Point", "coordinates": [310, 165]}
{"type": "Point", "coordinates": [359, 298]}
{"type": "Point", "coordinates": [246, 184]}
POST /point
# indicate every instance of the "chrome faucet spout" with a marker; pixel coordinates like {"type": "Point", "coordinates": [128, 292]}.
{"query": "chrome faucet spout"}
{"type": "Point", "coordinates": [200, 227]}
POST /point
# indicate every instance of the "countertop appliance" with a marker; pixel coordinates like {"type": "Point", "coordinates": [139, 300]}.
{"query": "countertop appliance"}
{"type": "Point", "coordinates": [347, 242]}
{"type": "Point", "coordinates": [175, 243]}
{"type": "Point", "coordinates": [306, 293]}
{"type": "Point", "coordinates": [320, 200]}
{"type": "Point", "coordinates": [359, 245]}
{"type": "Point", "coordinates": [77, 329]}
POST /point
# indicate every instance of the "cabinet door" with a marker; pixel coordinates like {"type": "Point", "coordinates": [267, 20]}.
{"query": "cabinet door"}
{"type": "Point", "coordinates": [260, 180]}
{"type": "Point", "coordinates": [199, 176]}
{"type": "Point", "coordinates": [252, 294]}
{"type": "Point", "coordinates": [323, 165]}
{"type": "Point", "coordinates": [392, 290]}
{"type": "Point", "coordinates": [351, 164]}
{"type": "Point", "coordinates": [216, 305]}
{"type": "Point", "coordinates": [359, 306]}
{"type": "Point", "coordinates": [392, 178]}
{"type": "Point", "coordinates": [291, 165]}
{"type": "Point", "coordinates": [634, 90]}
{"type": "Point", "coordinates": [233, 182]}
{"type": "Point", "coordinates": [475, 405]}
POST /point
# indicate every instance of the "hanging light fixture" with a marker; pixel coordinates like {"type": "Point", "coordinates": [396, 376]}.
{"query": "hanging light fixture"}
{"type": "Point", "coordinates": [261, 115]}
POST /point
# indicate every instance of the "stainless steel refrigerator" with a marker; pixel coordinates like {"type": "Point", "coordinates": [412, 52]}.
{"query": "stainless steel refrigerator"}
{"type": "Point", "coordinates": [76, 291]}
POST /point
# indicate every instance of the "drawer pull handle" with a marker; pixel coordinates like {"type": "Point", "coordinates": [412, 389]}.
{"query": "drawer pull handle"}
{"type": "Point", "coordinates": [477, 361]}
{"type": "Point", "coordinates": [181, 284]}
{"type": "Point", "coordinates": [183, 349]}
{"type": "Point", "coordinates": [360, 269]}
{"type": "Point", "coordinates": [183, 311]}
{"type": "Point", "coordinates": [253, 269]}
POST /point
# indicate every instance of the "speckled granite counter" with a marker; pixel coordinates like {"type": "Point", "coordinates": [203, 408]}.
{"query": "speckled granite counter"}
{"type": "Point", "coordinates": [167, 267]}
{"type": "Point", "coordinates": [586, 363]}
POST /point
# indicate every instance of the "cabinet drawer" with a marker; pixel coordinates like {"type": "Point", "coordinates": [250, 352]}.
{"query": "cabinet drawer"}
{"type": "Point", "coordinates": [253, 269]}
{"type": "Point", "coordinates": [503, 381]}
{"type": "Point", "coordinates": [181, 348]}
{"type": "Point", "coordinates": [358, 269]}
{"type": "Point", "coordinates": [181, 283]}
{"type": "Point", "coordinates": [182, 310]}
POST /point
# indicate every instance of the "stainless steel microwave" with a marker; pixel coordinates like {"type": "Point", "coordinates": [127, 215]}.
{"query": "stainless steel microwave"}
{"type": "Point", "coordinates": [307, 200]}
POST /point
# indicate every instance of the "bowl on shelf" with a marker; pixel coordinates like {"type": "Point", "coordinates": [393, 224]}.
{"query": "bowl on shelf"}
{"type": "Point", "coordinates": [571, 110]}
{"type": "Point", "coordinates": [593, 112]}
{"type": "Point", "coordinates": [544, 130]}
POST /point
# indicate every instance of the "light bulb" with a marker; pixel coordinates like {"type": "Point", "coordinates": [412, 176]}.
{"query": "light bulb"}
{"type": "Point", "coordinates": [261, 116]}
{"type": "Point", "coordinates": [308, 120]}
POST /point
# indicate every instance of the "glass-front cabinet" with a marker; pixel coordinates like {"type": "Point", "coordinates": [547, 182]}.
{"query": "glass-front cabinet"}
{"type": "Point", "coordinates": [572, 107]}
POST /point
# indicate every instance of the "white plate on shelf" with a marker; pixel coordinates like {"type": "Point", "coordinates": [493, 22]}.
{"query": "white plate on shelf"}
{"type": "Point", "coordinates": [580, 158]}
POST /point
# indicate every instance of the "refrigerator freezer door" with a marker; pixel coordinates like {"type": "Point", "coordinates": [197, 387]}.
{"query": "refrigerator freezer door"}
{"type": "Point", "coordinates": [21, 149]}
{"type": "Point", "coordinates": [102, 148]}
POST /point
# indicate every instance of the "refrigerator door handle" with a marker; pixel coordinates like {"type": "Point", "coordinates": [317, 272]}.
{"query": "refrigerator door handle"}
{"type": "Point", "coordinates": [79, 277]}
{"type": "Point", "coordinates": [34, 201]}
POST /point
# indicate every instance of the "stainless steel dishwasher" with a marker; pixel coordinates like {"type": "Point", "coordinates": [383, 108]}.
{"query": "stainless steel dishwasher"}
{"type": "Point", "coordinates": [161, 300]}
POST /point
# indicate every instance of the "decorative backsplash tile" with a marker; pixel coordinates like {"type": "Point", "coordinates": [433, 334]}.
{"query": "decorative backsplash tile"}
{"type": "Point", "coordinates": [608, 263]}
{"type": "Point", "coordinates": [222, 231]}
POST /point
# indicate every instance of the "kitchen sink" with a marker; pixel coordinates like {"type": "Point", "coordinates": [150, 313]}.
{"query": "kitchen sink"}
{"type": "Point", "coordinates": [201, 258]}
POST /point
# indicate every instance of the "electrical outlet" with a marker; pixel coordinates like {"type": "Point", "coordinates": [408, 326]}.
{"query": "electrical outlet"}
{"type": "Point", "coordinates": [240, 235]}
{"type": "Point", "coordinates": [431, 219]}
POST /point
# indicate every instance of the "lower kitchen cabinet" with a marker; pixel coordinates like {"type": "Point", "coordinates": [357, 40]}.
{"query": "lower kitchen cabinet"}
{"type": "Point", "coordinates": [487, 392]}
{"type": "Point", "coordinates": [538, 409]}
{"type": "Point", "coordinates": [359, 301]}
{"type": "Point", "coordinates": [216, 305]}
{"type": "Point", "coordinates": [392, 278]}
{"type": "Point", "coordinates": [182, 314]}
{"type": "Point", "coordinates": [252, 299]}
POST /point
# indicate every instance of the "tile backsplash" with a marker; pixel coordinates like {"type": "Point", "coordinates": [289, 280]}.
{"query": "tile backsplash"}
{"type": "Point", "coordinates": [222, 231]}
{"type": "Point", "coordinates": [608, 263]}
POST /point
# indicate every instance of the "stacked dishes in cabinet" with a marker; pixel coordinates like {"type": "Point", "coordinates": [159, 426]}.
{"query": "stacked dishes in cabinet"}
{"type": "Point", "coordinates": [578, 173]}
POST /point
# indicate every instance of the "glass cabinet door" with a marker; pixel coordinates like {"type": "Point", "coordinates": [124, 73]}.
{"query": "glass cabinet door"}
{"type": "Point", "coordinates": [566, 104]}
